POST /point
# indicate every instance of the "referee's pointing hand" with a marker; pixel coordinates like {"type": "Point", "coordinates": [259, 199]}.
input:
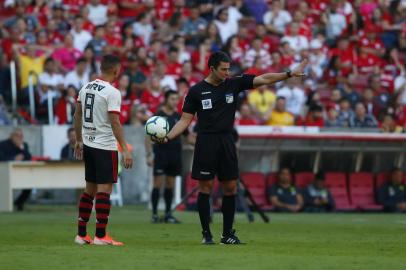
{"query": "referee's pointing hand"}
{"type": "Point", "coordinates": [299, 70]}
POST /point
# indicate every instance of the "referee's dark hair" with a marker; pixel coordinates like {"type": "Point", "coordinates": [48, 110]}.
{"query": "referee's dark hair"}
{"type": "Point", "coordinates": [216, 58]}
{"type": "Point", "coordinates": [169, 93]}
{"type": "Point", "coordinates": [109, 62]}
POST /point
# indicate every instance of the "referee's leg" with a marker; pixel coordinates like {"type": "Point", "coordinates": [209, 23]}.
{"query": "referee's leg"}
{"type": "Point", "coordinates": [228, 205]}
{"type": "Point", "coordinates": [203, 204]}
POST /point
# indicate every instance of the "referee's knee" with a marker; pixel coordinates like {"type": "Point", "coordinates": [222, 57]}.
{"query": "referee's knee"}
{"type": "Point", "coordinates": [205, 186]}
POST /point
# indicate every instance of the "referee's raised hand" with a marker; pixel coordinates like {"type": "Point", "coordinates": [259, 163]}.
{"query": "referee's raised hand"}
{"type": "Point", "coordinates": [299, 70]}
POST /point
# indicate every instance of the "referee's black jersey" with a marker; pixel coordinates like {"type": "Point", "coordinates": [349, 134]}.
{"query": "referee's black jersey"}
{"type": "Point", "coordinates": [175, 144]}
{"type": "Point", "coordinates": [216, 105]}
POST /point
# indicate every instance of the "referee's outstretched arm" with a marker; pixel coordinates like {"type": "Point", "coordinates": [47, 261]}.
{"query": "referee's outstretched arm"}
{"type": "Point", "coordinates": [270, 78]}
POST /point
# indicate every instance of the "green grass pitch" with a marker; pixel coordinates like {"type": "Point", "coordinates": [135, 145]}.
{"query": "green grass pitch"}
{"type": "Point", "coordinates": [42, 238]}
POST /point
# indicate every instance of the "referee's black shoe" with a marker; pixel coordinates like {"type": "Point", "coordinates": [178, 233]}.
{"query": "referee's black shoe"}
{"type": "Point", "coordinates": [207, 238]}
{"type": "Point", "coordinates": [231, 239]}
{"type": "Point", "coordinates": [171, 219]}
{"type": "Point", "coordinates": [155, 219]}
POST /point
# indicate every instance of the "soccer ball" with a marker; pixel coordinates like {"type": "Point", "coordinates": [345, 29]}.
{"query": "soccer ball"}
{"type": "Point", "coordinates": [157, 127]}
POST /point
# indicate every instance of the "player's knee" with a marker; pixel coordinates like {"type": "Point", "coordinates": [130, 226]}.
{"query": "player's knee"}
{"type": "Point", "coordinates": [105, 188]}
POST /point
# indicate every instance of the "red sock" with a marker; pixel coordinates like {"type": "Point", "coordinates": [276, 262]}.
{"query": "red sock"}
{"type": "Point", "coordinates": [85, 210]}
{"type": "Point", "coordinates": [102, 213]}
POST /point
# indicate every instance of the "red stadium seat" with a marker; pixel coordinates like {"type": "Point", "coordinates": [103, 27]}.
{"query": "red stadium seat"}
{"type": "Point", "coordinates": [255, 182]}
{"type": "Point", "coordinates": [362, 191]}
{"type": "Point", "coordinates": [336, 183]}
{"type": "Point", "coordinates": [381, 178]}
{"type": "Point", "coordinates": [271, 179]}
{"type": "Point", "coordinates": [303, 179]}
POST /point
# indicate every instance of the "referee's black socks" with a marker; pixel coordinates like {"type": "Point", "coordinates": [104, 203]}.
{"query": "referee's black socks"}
{"type": "Point", "coordinates": [154, 200]}
{"type": "Point", "coordinates": [168, 197]}
{"type": "Point", "coordinates": [203, 205]}
{"type": "Point", "coordinates": [228, 209]}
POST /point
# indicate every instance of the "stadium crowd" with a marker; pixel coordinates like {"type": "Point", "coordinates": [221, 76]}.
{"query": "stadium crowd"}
{"type": "Point", "coordinates": [356, 50]}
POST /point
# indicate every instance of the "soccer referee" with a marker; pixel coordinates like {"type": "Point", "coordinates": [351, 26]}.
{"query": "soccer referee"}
{"type": "Point", "coordinates": [214, 102]}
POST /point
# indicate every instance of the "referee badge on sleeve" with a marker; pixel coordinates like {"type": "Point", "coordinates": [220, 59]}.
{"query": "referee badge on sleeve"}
{"type": "Point", "coordinates": [229, 98]}
{"type": "Point", "coordinates": [206, 103]}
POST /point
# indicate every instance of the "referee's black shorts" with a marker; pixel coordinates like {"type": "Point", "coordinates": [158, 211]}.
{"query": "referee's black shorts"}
{"type": "Point", "coordinates": [167, 162]}
{"type": "Point", "coordinates": [101, 166]}
{"type": "Point", "coordinates": [215, 154]}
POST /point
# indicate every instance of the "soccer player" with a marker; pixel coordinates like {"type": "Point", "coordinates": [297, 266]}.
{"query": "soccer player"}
{"type": "Point", "coordinates": [97, 126]}
{"type": "Point", "coordinates": [166, 160]}
{"type": "Point", "coordinates": [214, 100]}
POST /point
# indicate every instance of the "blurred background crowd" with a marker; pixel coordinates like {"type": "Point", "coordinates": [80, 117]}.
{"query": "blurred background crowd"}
{"type": "Point", "coordinates": [356, 50]}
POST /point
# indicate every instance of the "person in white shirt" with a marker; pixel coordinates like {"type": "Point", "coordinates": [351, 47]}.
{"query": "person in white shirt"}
{"type": "Point", "coordinates": [143, 27]}
{"type": "Point", "coordinates": [79, 76]}
{"type": "Point", "coordinates": [335, 23]}
{"type": "Point", "coordinates": [225, 25]}
{"type": "Point", "coordinates": [80, 37]}
{"type": "Point", "coordinates": [166, 81]}
{"type": "Point", "coordinates": [49, 81]}
{"type": "Point", "coordinates": [318, 59]}
{"type": "Point", "coordinates": [97, 12]}
{"type": "Point", "coordinates": [98, 130]}
{"type": "Point", "coordinates": [295, 97]}
{"type": "Point", "coordinates": [296, 42]}
{"type": "Point", "coordinates": [257, 51]}
{"type": "Point", "coordinates": [276, 19]}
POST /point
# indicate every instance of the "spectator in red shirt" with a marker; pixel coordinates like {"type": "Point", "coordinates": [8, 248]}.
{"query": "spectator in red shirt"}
{"type": "Point", "coordinates": [65, 107]}
{"type": "Point", "coordinates": [346, 57]}
{"type": "Point", "coordinates": [187, 74]}
{"type": "Point", "coordinates": [126, 103]}
{"type": "Point", "coordinates": [200, 57]}
{"type": "Point", "coordinates": [183, 88]}
{"type": "Point", "coordinates": [128, 9]}
{"type": "Point", "coordinates": [314, 117]}
{"type": "Point", "coordinates": [173, 67]}
{"type": "Point", "coordinates": [246, 116]}
{"type": "Point", "coordinates": [152, 97]}
{"type": "Point", "coordinates": [371, 41]}
{"type": "Point", "coordinates": [367, 63]}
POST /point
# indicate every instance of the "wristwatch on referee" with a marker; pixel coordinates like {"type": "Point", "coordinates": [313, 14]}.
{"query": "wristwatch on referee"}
{"type": "Point", "coordinates": [289, 73]}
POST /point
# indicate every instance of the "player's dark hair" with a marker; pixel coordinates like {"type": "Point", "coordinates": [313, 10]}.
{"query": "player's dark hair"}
{"type": "Point", "coordinates": [108, 62]}
{"type": "Point", "coordinates": [280, 97]}
{"type": "Point", "coordinates": [169, 93]}
{"type": "Point", "coordinates": [216, 58]}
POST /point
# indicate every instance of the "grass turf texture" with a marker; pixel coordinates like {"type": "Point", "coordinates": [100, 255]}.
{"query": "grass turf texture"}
{"type": "Point", "coordinates": [42, 238]}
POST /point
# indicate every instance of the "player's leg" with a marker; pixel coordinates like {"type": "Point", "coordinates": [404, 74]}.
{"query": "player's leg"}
{"type": "Point", "coordinates": [155, 193]}
{"type": "Point", "coordinates": [106, 176]}
{"type": "Point", "coordinates": [85, 210]}
{"type": "Point", "coordinates": [85, 204]}
{"type": "Point", "coordinates": [168, 197]}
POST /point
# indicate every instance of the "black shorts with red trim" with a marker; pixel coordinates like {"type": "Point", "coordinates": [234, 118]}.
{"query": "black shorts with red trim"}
{"type": "Point", "coordinates": [101, 166]}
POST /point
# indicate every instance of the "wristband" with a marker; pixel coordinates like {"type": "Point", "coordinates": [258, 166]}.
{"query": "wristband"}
{"type": "Point", "coordinates": [289, 73]}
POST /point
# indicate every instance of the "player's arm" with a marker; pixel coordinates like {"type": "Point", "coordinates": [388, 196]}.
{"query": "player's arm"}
{"type": "Point", "coordinates": [77, 125]}
{"type": "Point", "coordinates": [270, 78]}
{"type": "Point", "coordinates": [180, 126]}
{"type": "Point", "coordinates": [119, 134]}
